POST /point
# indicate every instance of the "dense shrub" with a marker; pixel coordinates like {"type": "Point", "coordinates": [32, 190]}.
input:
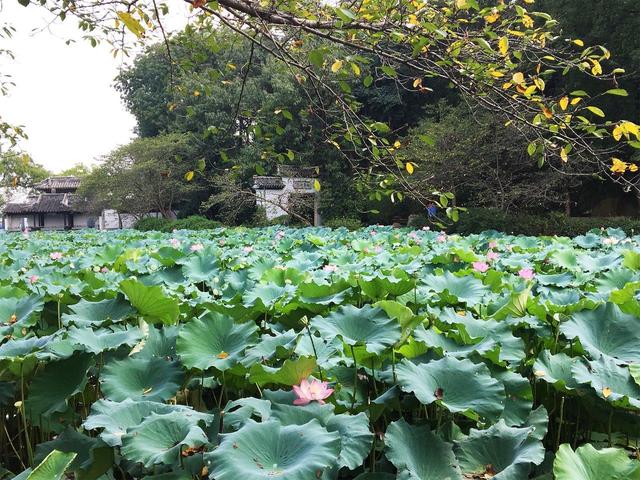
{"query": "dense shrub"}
{"type": "Point", "coordinates": [479, 219]}
{"type": "Point", "coordinates": [347, 222]}
{"type": "Point", "coordinates": [152, 223]}
{"type": "Point", "coordinates": [194, 222]}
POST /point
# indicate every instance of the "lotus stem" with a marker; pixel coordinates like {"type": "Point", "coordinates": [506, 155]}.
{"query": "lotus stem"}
{"type": "Point", "coordinates": [355, 376]}
{"type": "Point", "coordinates": [24, 418]}
{"type": "Point", "coordinates": [560, 424]}
{"type": "Point", "coordinates": [315, 353]}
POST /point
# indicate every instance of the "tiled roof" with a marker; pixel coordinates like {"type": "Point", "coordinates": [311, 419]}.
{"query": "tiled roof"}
{"type": "Point", "coordinates": [43, 203]}
{"type": "Point", "coordinates": [268, 183]}
{"type": "Point", "coordinates": [59, 183]}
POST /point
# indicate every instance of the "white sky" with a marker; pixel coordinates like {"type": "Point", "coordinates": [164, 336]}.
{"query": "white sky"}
{"type": "Point", "coordinates": [64, 95]}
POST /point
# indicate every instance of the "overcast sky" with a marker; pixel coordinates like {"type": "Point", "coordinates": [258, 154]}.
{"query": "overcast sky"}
{"type": "Point", "coordinates": [64, 94]}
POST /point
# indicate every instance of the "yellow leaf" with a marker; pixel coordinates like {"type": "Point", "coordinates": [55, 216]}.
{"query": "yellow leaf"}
{"type": "Point", "coordinates": [579, 42]}
{"type": "Point", "coordinates": [507, 86]}
{"type": "Point", "coordinates": [576, 101]}
{"type": "Point", "coordinates": [409, 167]}
{"type": "Point", "coordinates": [597, 68]}
{"type": "Point", "coordinates": [462, 4]}
{"type": "Point", "coordinates": [518, 78]}
{"type": "Point", "coordinates": [356, 69]}
{"type": "Point", "coordinates": [503, 45]}
{"type": "Point", "coordinates": [618, 132]}
{"type": "Point", "coordinates": [337, 65]}
{"type": "Point", "coordinates": [633, 167]}
{"type": "Point", "coordinates": [493, 17]}
{"type": "Point", "coordinates": [606, 392]}
{"type": "Point", "coordinates": [547, 113]}
{"type": "Point", "coordinates": [417, 82]}
{"type": "Point", "coordinates": [496, 74]}
{"type": "Point", "coordinates": [529, 1]}
{"type": "Point", "coordinates": [316, 185]}
{"type": "Point", "coordinates": [564, 156]}
{"type": "Point", "coordinates": [131, 23]}
{"type": "Point", "coordinates": [618, 166]}
{"type": "Point", "coordinates": [196, 93]}
{"type": "Point", "coordinates": [530, 90]}
{"type": "Point", "coordinates": [397, 144]}
{"type": "Point", "coordinates": [564, 103]}
{"type": "Point", "coordinates": [189, 175]}
{"type": "Point", "coordinates": [540, 83]}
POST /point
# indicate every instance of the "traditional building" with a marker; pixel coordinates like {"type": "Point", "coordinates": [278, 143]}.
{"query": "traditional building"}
{"type": "Point", "coordinates": [54, 206]}
{"type": "Point", "coordinates": [291, 192]}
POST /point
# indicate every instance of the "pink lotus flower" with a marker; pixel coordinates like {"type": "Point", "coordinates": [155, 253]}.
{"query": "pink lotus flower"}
{"type": "Point", "coordinates": [493, 244]}
{"type": "Point", "coordinates": [426, 229]}
{"type": "Point", "coordinates": [33, 279]}
{"type": "Point", "coordinates": [196, 247]}
{"type": "Point", "coordinates": [441, 238]}
{"type": "Point", "coordinates": [413, 235]}
{"type": "Point", "coordinates": [308, 392]}
{"type": "Point", "coordinates": [104, 269]}
{"type": "Point", "coordinates": [491, 256]}
{"type": "Point", "coordinates": [279, 235]}
{"type": "Point", "coordinates": [330, 268]}
{"type": "Point", "coordinates": [247, 249]}
{"type": "Point", "coordinates": [372, 232]}
{"type": "Point", "coordinates": [175, 243]}
{"type": "Point", "coordinates": [56, 255]}
{"type": "Point", "coordinates": [480, 267]}
{"type": "Point", "coordinates": [526, 273]}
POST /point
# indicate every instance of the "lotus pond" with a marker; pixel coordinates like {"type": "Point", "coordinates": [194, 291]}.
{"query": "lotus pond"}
{"type": "Point", "coordinates": [308, 354]}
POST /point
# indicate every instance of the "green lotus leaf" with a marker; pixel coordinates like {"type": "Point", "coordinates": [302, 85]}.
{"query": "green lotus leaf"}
{"type": "Point", "coordinates": [368, 326]}
{"type": "Point", "coordinates": [376, 476]}
{"type": "Point", "coordinates": [161, 439]}
{"type": "Point", "coordinates": [151, 302]}
{"type": "Point", "coordinates": [459, 385]}
{"type": "Point", "coordinates": [116, 417]}
{"type": "Point", "coordinates": [292, 372]}
{"type": "Point", "coordinates": [556, 369]}
{"type": "Point", "coordinates": [160, 342]}
{"type": "Point", "coordinates": [566, 259]}
{"type": "Point", "coordinates": [23, 347]}
{"type": "Point", "coordinates": [153, 379]}
{"type": "Point", "coordinates": [610, 381]}
{"type": "Point", "coordinates": [97, 341]}
{"type": "Point", "coordinates": [355, 438]}
{"type": "Point", "coordinates": [21, 312]}
{"type": "Point", "coordinates": [587, 463]}
{"type": "Point", "coordinates": [501, 452]}
{"type": "Point", "coordinates": [54, 385]}
{"type": "Point", "coordinates": [519, 398]}
{"type": "Point", "coordinates": [268, 450]}
{"type": "Point", "coordinates": [270, 346]}
{"type": "Point", "coordinates": [379, 285]}
{"type": "Point", "coordinates": [283, 409]}
{"type": "Point", "coordinates": [634, 370]}
{"type": "Point", "coordinates": [86, 313]}
{"type": "Point", "coordinates": [214, 340]}
{"type": "Point", "coordinates": [71, 441]}
{"type": "Point", "coordinates": [52, 467]}
{"type": "Point", "coordinates": [264, 297]}
{"type": "Point", "coordinates": [237, 412]}
{"type": "Point", "coordinates": [606, 331]}
{"type": "Point", "coordinates": [201, 268]}
{"type": "Point", "coordinates": [328, 353]}
{"type": "Point", "coordinates": [466, 289]}
{"type": "Point", "coordinates": [419, 454]}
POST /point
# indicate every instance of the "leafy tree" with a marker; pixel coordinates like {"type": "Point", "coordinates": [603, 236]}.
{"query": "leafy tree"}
{"type": "Point", "coordinates": [78, 170]}
{"type": "Point", "coordinates": [469, 153]}
{"type": "Point", "coordinates": [19, 170]}
{"type": "Point", "coordinates": [498, 53]}
{"type": "Point", "coordinates": [145, 176]}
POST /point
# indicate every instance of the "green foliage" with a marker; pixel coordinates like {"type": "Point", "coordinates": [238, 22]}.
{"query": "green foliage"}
{"type": "Point", "coordinates": [163, 359]}
{"type": "Point", "coordinates": [477, 220]}
{"type": "Point", "coordinates": [193, 222]}
{"type": "Point", "coordinates": [349, 223]}
{"type": "Point", "coordinates": [148, 224]}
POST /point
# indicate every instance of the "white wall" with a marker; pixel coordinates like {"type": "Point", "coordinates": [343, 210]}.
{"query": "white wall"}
{"type": "Point", "coordinates": [276, 201]}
